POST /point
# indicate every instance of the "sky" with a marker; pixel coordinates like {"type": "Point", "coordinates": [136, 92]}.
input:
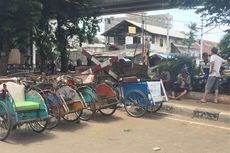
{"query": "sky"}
{"type": "Point", "coordinates": [181, 18]}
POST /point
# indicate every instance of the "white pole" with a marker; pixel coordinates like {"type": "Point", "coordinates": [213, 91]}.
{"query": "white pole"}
{"type": "Point", "coordinates": [34, 56]}
{"type": "Point", "coordinates": [167, 26]}
{"type": "Point", "coordinates": [201, 38]}
{"type": "Point", "coordinates": [142, 29]}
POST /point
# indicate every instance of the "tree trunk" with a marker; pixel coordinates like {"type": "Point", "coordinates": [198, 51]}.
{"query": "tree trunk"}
{"type": "Point", "coordinates": [4, 54]}
{"type": "Point", "coordinates": [42, 64]}
{"type": "Point", "coordinates": [62, 43]}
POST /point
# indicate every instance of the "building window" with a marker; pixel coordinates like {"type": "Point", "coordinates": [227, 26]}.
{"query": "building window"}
{"type": "Point", "coordinates": [161, 42]}
{"type": "Point", "coordinates": [121, 40]}
{"type": "Point", "coordinates": [136, 40]}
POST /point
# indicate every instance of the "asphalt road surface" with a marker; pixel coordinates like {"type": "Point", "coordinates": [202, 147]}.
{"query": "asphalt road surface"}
{"type": "Point", "coordinates": [159, 133]}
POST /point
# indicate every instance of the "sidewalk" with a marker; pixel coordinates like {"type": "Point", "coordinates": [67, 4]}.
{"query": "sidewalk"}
{"type": "Point", "coordinates": [225, 99]}
{"type": "Point", "coordinates": [186, 107]}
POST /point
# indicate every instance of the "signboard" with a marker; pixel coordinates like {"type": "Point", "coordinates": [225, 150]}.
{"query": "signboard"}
{"type": "Point", "coordinates": [152, 47]}
{"type": "Point", "coordinates": [155, 91]}
{"type": "Point", "coordinates": [128, 40]}
{"type": "Point", "coordinates": [132, 30]}
{"type": "Point", "coordinates": [14, 57]}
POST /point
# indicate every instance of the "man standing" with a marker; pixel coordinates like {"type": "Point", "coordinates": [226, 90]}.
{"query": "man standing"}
{"type": "Point", "coordinates": [205, 65]}
{"type": "Point", "coordinates": [214, 75]}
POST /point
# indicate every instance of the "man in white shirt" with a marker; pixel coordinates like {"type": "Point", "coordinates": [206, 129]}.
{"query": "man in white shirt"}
{"type": "Point", "coordinates": [214, 75]}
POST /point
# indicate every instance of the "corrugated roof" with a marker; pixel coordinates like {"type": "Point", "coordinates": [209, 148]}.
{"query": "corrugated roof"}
{"type": "Point", "coordinates": [152, 29]}
{"type": "Point", "coordinates": [159, 30]}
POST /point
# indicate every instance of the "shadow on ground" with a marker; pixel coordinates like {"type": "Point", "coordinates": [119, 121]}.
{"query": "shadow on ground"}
{"type": "Point", "coordinates": [70, 126]}
{"type": "Point", "coordinates": [148, 115]}
{"type": "Point", "coordinates": [155, 116]}
{"type": "Point", "coordinates": [98, 117]}
{"type": "Point", "coordinates": [26, 136]}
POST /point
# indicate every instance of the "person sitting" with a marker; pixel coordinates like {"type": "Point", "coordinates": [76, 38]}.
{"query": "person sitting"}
{"type": "Point", "coordinates": [181, 85]}
{"type": "Point", "coordinates": [71, 67]}
{"type": "Point", "coordinates": [51, 67]}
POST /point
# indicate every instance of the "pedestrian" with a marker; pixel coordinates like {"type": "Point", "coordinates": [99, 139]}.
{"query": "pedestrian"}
{"type": "Point", "coordinates": [51, 67]}
{"type": "Point", "coordinates": [182, 85]}
{"type": "Point", "coordinates": [205, 65]}
{"type": "Point", "coordinates": [214, 75]}
{"type": "Point", "coordinates": [71, 67]}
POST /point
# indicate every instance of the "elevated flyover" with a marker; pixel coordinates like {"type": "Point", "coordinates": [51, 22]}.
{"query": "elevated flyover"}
{"type": "Point", "coordinates": [103, 7]}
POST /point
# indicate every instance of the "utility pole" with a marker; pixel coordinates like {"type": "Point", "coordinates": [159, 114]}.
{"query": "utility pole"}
{"type": "Point", "coordinates": [167, 26]}
{"type": "Point", "coordinates": [142, 31]}
{"type": "Point", "coordinates": [145, 43]}
{"type": "Point", "coordinates": [201, 37]}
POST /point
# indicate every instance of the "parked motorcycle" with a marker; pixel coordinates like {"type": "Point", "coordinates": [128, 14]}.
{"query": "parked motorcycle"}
{"type": "Point", "coordinates": [199, 82]}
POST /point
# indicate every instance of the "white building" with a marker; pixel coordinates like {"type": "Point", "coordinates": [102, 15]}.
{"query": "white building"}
{"type": "Point", "coordinates": [119, 36]}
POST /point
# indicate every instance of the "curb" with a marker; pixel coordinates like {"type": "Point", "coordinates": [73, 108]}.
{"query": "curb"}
{"type": "Point", "coordinates": [195, 112]}
{"type": "Point", "coordinates": [198, 95]}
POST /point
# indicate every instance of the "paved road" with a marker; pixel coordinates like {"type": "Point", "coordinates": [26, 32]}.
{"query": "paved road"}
{"type": "Point", "coordinates": [123, 134]}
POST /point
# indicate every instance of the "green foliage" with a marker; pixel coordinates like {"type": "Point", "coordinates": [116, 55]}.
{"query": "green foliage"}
{"type": "Point", "coordinates": [21, 19]}
{"type": "Point", "coordinates": [71, 21]}
{"type": "Point", "coordinates": [16, 19]}
{"type": "Point", "coordinates": [218, 12]}
{"type": "Point", "coordinates": [45, 42]}
{"type": "Point", "coordinates": [174, 65]}
{"type": "Point", "coordinates": [225, 45]}
{"type": "Point", "coordinates": [191, 35]}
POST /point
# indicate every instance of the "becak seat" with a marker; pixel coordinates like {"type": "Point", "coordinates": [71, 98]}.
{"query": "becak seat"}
{"type": "Point", "coordinates": [68, 94]}
{"type": "Point", "coordinates": [105, 91]}
{"type": "Point", "coordinates": [17, 93]}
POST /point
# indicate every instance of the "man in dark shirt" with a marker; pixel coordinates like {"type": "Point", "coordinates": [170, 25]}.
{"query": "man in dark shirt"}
{"type": "Point", "coordinates": [51, 67]}
{"type": "Point", "coordinates": [205, 65]}
{"type": "Point", "coordinates": [182, 84]}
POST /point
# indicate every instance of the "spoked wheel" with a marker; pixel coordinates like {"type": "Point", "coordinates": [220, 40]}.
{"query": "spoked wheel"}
{"type": "Point", "coordinates": [155, 108]}
{"type": "Point", "coordinates": [73, 117]}
{"type": "Point", "coordinates": [88, 113]}
{"type": "Point", "coordinates": [108, 111]}
{"type": "Point", "coordinates": [90, 110]}
{"type": "Point", "coordinates": [5, 121]}
{"type": "Point", "coordinates": [54, 116]}
{"type": "Point", "coordinates": [54, 109]}
{"type": "Point", "coordinates": [39, 126]}
{"type": "Point", "coordinates": [135, 103]}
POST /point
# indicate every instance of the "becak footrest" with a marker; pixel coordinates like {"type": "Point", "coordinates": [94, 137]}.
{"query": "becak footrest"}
{"type": "Point", "coordinates": [26, 105]}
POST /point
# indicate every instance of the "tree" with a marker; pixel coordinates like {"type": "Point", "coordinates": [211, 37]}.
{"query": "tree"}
{"type": "Point", "coordinates": [21, 18]}
{"type": "Point", "coordinates": [225, 45]}
{"type": "Point", "coordinates": [175, 64]}
{"type": "Point", "coordinates": [217, 12]}
{"type": "Point", "coordinates": [16, 19]}
{"type": "Point", "coordinates": [71, 21]}
{"type": "Point", "coordinates": [191, 35]}
{"type": "Point", "coordinates": [45, 42]}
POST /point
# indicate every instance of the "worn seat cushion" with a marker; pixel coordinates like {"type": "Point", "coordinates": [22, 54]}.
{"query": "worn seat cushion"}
{"type": "Point", "coordinates": [26, 105]}
{"type": "Point", "coordinates": [15, 90]}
